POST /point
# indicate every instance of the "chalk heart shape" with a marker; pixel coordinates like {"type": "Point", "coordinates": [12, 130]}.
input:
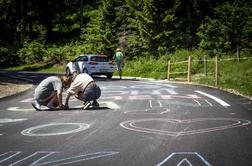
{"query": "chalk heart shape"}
{"type": "Point", "coordinates": [202, 125]}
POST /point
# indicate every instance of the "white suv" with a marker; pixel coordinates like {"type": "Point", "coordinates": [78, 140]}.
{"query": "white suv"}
{"type": "Point", "coordinates": [92, 64]}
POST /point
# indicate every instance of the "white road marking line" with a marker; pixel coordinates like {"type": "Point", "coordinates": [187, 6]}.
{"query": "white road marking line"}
{"type": "Point", "coordinates": [223, 103]}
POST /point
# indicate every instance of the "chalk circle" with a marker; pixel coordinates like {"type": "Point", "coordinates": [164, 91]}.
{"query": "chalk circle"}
{"type": "Point", "coordinates": [55, 129]}
{"type": "Point", "coordinates": [137, 125]}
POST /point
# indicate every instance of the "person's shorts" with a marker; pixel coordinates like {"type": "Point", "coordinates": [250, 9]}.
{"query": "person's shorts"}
{"type": "Point", "coordinates": [91, 93]}
{"type": "Point", "coordinates": [119, 65]}
{"type": "Point", "coordinates": [43, 98]}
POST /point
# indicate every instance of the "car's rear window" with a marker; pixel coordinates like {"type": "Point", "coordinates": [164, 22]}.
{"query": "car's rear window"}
{"type": "Point", "coordinates": [99, 58]}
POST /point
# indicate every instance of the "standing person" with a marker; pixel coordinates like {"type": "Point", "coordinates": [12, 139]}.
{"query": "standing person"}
{"type": "Point", "coordinates": [49, 92]}
{"type": "Point", "coordinates": [85, 89]}
{"type": "Point", "coordinates": [118, 57]}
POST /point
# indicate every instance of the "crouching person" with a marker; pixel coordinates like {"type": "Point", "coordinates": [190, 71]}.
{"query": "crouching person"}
{"type": "Point", "coordinates": [49, 92]}
{"type": "Point", "coordinates": [84, 88]}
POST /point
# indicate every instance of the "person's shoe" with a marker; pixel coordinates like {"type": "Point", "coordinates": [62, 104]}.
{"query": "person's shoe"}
{"type": "Point", "coordinates": [35, 107]}
{"type": "Point", "coordinates": [86, 105]}
{"type": "Point", "coordinates": [95, 103]}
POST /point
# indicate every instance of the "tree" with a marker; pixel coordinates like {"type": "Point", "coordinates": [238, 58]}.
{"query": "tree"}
{"type": "Point", "coordinates": [152, 24]}
{"type": "Point", "coordinates": [229, 29]}
{"type": "Point", "coordinates": [100, 35]}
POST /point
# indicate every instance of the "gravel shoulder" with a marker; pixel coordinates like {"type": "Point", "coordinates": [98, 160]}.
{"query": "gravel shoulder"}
{"type": "Point", "coordinates": [10, 86]}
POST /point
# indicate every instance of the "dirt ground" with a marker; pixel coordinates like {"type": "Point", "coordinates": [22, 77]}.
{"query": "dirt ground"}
{"type": "Point", "coordinates": [10, 86]}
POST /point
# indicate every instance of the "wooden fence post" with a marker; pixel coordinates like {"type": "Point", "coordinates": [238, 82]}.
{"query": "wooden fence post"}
{"type": "Point", "coordinates": [216, 71]}
{"type": "Point", "coordinates": [189, 69]}
{"type": "Point", "coordinates": [169, 70]}
{"type": "Point", "coordinates": [205, 65]}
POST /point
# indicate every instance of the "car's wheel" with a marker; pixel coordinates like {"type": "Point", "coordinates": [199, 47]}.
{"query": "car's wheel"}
{"type": "Point", "coordinates": [110, 76]}
{"type": "Point", "coordinates": [68, 72]}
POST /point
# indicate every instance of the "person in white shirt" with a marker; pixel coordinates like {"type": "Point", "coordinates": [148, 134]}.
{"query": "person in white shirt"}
{"type": "Point", "coordinates": [85, 89]}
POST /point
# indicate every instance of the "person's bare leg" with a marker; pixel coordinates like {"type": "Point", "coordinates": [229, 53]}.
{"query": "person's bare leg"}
{"type": "Point", "coordinates": [53, 101]}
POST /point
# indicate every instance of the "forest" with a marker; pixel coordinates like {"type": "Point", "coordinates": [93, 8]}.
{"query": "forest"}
{"type": "Point", "coordinates": [34, 31]}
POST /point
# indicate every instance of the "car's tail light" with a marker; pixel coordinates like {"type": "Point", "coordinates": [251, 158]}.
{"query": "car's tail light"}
{"type": "Point", "coordinates": [111, 63]}
{"type": "Point", "coordinates": [93, 63]}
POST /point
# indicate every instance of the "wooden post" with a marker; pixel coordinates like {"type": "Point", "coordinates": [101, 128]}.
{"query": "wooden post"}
{"type": "Point", "coordinates": [169, 70]}
{"type": "Point", "coordinates": [189, 69]}
{"type": "Point", "coordinates": [216, 71]}
{"type": "Point", "coordinates": [205, 65]}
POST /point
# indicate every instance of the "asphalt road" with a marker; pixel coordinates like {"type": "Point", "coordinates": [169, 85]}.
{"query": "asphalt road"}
{"type": "Point", "coordinates": [139, 123]}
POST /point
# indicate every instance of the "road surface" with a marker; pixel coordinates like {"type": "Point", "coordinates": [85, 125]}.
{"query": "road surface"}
{"type": "Point", "coordinates": [139, 123]}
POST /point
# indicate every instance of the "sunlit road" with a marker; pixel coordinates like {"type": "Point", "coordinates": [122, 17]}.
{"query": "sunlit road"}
{"type": "Point", "coordinates": [139, 123]}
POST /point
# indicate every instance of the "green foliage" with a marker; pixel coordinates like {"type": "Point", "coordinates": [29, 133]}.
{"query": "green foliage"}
{"type": "Point", "coordinates": [8, 57]}
{"type": "Point", "coordinates": [147, 67]}
{"type": "Point", "coordinates": [142, 28]}
{"type": "Point", "coordinates": [152, 27]}
{"type": "Point", "coordinates": [231, 26]}
{"type": "Point", "coordinates": [32, 52]}
{"type": "Point", "coordinates": [100, 35]}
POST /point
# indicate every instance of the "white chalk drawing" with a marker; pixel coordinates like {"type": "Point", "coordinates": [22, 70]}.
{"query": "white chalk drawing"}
{"type": "Point", "coordinates": [132, 98]}
{"type": "Point", "coordinates": [109, 104]}
{"type": "Point", "coordinates": [197, 102]}
{"type": "Point", "coordinates": [113, 87]}
{"type": "Point", "coordinates": [184, 161]}
{"type": "Point", "coordinates": [163, 107]}
{"type": "Point", "coordinates": [135, 125]}
{"type": "Point", "coordinates": [156, 107]}
{"type": "Point", "coordinates": [18, 109]}
{"type": "Point", "coordinates": [134, 92]}
{"type": "Point", "coordinates": [182, 158]}
{"type": "Point", "coordinates": [39, 158]}
{"type": "Point", "coordinates": [7, 120]}
{"type": "Point", "coordinates": [152, 111]}
{"type": "Point", "coordinates": [34, 131]}
{"type": "Point", "coordinates": [161, 83]}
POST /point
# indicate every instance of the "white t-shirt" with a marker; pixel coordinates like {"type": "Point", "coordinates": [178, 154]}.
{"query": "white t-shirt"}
{"type": "Point", "coordinates": [79, 83]}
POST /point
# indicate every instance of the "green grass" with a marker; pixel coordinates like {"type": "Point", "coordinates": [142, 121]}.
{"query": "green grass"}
{"type": "Point", "coordinates": [43, 67]}
{"type": "Point", "coordinates": [233, 75]}
{"type": "Point", "coordinates": [237, 75]}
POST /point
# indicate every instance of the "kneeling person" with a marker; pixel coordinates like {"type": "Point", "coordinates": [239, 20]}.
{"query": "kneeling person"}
{"type": "Point", "coordinates": [85, 89]}
{"type": "Point", "coordinates": [49, 92]}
